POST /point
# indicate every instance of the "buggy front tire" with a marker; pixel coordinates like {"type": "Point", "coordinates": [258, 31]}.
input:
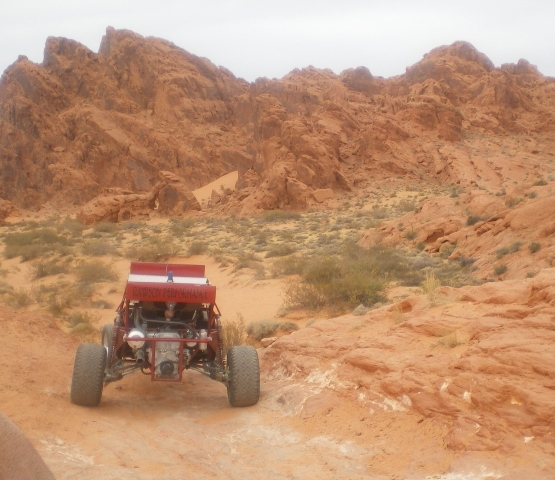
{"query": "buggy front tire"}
{"type": "Point", "coordinates": [88, 374]}
{"type": "Point", "coordinates": [243, 387]}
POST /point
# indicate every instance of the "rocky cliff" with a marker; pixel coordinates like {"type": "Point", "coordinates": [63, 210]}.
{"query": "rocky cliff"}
{"type": "Point", "coordinates": [82, 123]}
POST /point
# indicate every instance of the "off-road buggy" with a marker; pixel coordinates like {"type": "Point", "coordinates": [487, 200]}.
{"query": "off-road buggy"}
{"type": "Point", "coordinates": [167, 322]}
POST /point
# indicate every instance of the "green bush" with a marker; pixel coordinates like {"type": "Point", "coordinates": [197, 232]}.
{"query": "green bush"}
{"type": "Point", "coordinates": [156, 249]}
{"type": "Point", "coordinates": [280, 216]}
{"type": "Point", "coordinates": [182, 226]}
{"type": "Point", "coordinates": [33, 243]}
{"type": "Point", "coordinates": [247, 260]}
{"type": "Point", "coordinates": [262, 329]}
{"type": "Point", "coordinates": [500, 269]}
{"type": "Point", "coordinates": [104, 226]}
{"type": "Point", "coordinates": [534, 247]}
{"type": "Point", "coordinates": [515, 247]}
{"type": "Point", "coordinates": [407, 205]}
{"type": "Point", "coordinates": [95, 272]}
{"type": "Point", "coordinates": [98, 248]}
{"type": "Point", "coordinates": [513, 201]}
{"type": "Point", "coordinates": [81, 323]}
{"type": "Point", "coordinates": [290, 265]}
{"type": "Point", "coordinates": [19, 298]}
{"type": "Point", "coordinates": [197, 248]}
{"type": "Point", "coordinates": [356, 276]}
{"type": "Point", "coordinates": [45, 268]}
{"type": "Point", "coordinates": [280, 250]}
{"type": "Point", "coordinates": [472, 220]}
{"type": "Point", "coordinates": [233, 333]}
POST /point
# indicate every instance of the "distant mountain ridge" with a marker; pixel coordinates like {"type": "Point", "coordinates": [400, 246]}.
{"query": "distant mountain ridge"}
{"type": "Point", "coordinates": [82, 124]}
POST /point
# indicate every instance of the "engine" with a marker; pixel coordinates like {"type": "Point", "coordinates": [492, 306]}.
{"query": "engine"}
{"type": "Point", "coordinates": [166, 355]}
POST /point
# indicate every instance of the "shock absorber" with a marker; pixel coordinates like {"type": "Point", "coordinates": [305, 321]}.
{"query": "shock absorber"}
{"type": "Point", "coordinates": [220, 354]}
{"type": "Point", "coordinates": [115, 331]}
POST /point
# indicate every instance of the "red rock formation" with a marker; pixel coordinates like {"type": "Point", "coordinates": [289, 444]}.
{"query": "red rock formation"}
{"type": "Point", "coordinates": [81, 122]}
{"type": "Point", "coordinates": [478, 359]}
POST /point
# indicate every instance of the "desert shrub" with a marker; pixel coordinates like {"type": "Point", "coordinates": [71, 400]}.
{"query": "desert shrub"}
{"type": "Point", "coordinates": [446, 249]}
{"type": "Point", "coordinates": [532, 194]}
{"type": "Point", "coordinates": [197, 248]}
{"type": "Point", "coordinates": [303, 295]}
{"type": "Point", "coordinates": [360, 310]}
{"type": "Point", "coordinates": [500, 269]}
{"type": "Point", "coordinates": [45, 268]}
{"type": "Point", "coordinates": [181, 226]}
{"type": "Point", "coordinates": [156, 249]}
{"type": "Point", "coordinates": [280, 216]}
{"type": "Point", "coordinates": [357, 276]}
{"type": "Point", "coordinates": [247, 260]}
{"type": "Point", "coordinates": [466, 261]}
{"type": "Point", "coordinates": [71, 226]}
{"type": "Point", "coordinates": [515, 247]}
{"type": "Point", "coordinates": [105, 226]}
{"type": "Point", "coordinates": [423, 260]}
{"type": "Point", "coordinates": [430, 285]}
{"type": "Point", "coordinates": [33, 243]}
{"type": "Point", "coordinates": [81, 323]}
{"type": "Point", "coordinates": [539, 182]}
{"type": "Point", "coordinates": [287, 327]}
{"type": "Point", "coordinates": [534, 247]}
{"type": "Point", "coordinates": [280, 250]}
{"type": "Point", "coordinates": [101, 304]}
{"type": "Point", "coordinates": [407, 205]}
{"type": "Point", "coordinates": [290, 265]}
{"type": "Point", "coordinates": [411, 235]}
{"type": "Point", "coordinates": [95, 272]}
{"type": "Point", "coordinates": [379, 213]}
{"type": "Point", "coordinates": [451, 340]}
{"type": "Point", "coordinates": [56, 297]}
{"type": "Point", "coordinates": [97, 248]}
{"type": "Point", "coordinates": [233, 333]}
{"type": "Point", "coordinates": [472, 220]}
{"type": "Point", "coordinates": [5, 288]}
{"type": "Point", "coordinates": [262, 329]}
{"type": "Point", "coordinates": [511, 202]}
{"type": "Point", "coordinates": [19, 298]}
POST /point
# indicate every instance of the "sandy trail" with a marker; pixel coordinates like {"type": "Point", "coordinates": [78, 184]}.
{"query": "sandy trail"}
{"type": "Point", "coordinates": [300, 429]}
{"type": "Point", "coordinates": [148, 430]}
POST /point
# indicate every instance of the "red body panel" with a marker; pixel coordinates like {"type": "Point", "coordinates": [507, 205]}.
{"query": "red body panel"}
{"type": "Point", "coordinates": [179, 270]}
{"type": "Point", "coordinates": [170, 292]}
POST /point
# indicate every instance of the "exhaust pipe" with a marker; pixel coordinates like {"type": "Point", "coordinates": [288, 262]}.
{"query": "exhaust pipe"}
{"type": "Point", "coordinates": [140, 356]}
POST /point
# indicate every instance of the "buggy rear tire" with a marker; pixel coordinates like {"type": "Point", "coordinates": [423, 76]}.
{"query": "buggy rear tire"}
{"type": "Point", "coordinates": [88, 374]}
{"type": "Point", "coordinates": [106, 339]}
{"type": "Point", "coordinates": [243, 387]}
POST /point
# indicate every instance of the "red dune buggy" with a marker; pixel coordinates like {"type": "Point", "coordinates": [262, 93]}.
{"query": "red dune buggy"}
{"type": "Point", "coordinates": [167, 322]}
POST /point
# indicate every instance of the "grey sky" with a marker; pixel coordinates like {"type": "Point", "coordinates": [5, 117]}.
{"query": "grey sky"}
{"type": "Point", "coordinates": [269, 39]}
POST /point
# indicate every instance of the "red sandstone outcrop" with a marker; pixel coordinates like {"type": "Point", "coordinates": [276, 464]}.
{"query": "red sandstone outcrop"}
{"type": "Point", "coordinates": [81, 122]}
{"type": "Point", "coordinates": [479, 359]}
{"type": "Point", "coordinates": [168, 197]}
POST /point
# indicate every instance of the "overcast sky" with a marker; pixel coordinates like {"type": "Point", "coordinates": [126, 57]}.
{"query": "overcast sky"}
{"type": "Point", "coordinates": [258, 38]}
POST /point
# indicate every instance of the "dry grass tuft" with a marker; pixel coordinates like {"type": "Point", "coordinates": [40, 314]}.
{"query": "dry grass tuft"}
{"type": "Point", "coordinates": [233, 333]}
